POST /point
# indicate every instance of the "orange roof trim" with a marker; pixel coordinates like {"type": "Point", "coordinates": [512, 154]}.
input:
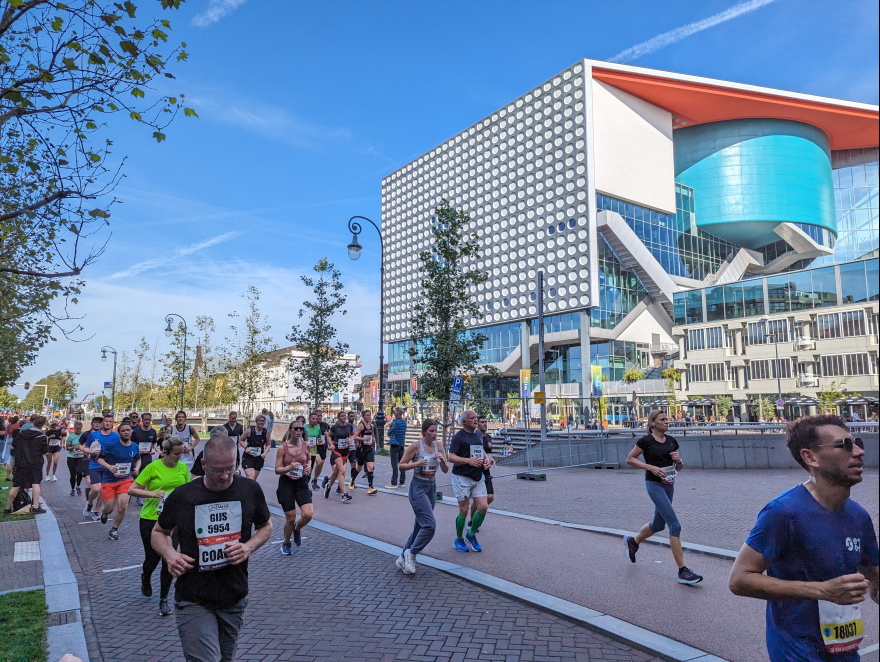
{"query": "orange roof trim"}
{"type": "Point", "coordinates": [698, 103]}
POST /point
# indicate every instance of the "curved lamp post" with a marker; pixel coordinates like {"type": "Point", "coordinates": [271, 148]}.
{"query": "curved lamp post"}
{"type": "Point", "coordinates": [104, 350]}
{"type": "Point", "coordinates": [354, 252]}
{"type": "Point", "coordinates": [169, 332]}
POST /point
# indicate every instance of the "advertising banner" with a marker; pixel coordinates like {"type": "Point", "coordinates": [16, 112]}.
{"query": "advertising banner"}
{"type": "Point", "coordinates": [413, 385]}
{"type": "Point", "coordinates": [374, 391]}
{"type": "Point", "coordinates": [525, 383]}
{"type": "Point", "coordinates": [597, 380]}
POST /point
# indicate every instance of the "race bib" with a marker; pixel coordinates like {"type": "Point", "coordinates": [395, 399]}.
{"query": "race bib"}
{"type": "Point", "coordinates": [95, 447]}
{"type": "Point", "coordinates": [841, 626]}
{"type": "Point", "coordinates": [145, 447]}
{"type": "Point", "coordinates": [430, 469]}
{"type": "Point", "coordinates": [342, 444]}
{"type": "Point", "coordinates": [253, 450]}
{"type": "Point", "coordinates": [313, 441]}
{"type": "Point", "coordinates": [671, 473]}
{"type": "Point", "coordinates": [217, 524]}
{"type": "Point", "coordinates": [368, 441]}
{"type": "Point", "coordinates": [122, 469]}
{"type": "Point", "coordinates": [296, 473]}
{"type": "Point", "coordinates": [160, 505]}
{"type": "Point", "coordinates": [477, 451]}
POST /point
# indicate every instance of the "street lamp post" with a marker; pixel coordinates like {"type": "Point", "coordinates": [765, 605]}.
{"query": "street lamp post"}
{"type": "Point", "coordinates": [169, 332]}
{"type": "Point", "coordinates": [104, 350]}
{"type": "Point", "coordinates": [354, 252]}
{"type": "Point", "coordinates": [775, 335]}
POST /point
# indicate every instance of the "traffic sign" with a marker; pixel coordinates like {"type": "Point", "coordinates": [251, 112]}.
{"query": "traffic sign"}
{"type": "Point", "coordinates": [540, 397]}
{"type": "Point", "coordinates": [455, 393]}
{"type": "Point", "coordinates": [108, 384]}
{"type": "Point", "coordinates": [780, 403]}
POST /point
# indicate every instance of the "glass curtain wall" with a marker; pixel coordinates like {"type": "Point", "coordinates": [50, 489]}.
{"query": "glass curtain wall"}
{"type": "Point", "coordinates": [620, 290]}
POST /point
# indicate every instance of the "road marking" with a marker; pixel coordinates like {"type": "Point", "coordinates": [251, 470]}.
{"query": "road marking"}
{"type": "Point", "coordinates": [94, 521]}
{"type": "Point", "coordinates": [26, 551]}
{"type": "Point", "coordinates": [869, 649]}
{"type": "Point", "coordinates": [128, 567]}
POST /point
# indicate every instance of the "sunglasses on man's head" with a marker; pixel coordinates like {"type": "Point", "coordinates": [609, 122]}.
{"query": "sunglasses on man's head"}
{"type": "Point", "coordinates": [846, 444]}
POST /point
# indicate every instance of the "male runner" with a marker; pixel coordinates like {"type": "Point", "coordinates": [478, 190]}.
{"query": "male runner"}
{"type": "Point", "coordinates": [120, 459]}
{"type": "Point", "coordinates": [145, 437]}
{"type": "Point", "coordinates": [29, 447]}
{"type": "Point", "coordinates": [483, 427]}
{"type": "Point", "coordinates": [818, 548]}
{"type": "Point", "coordinates": [352, 456]}
{"type": "Point", "coordinates": [316, 431]}
{"type": "Point", "coordinates": [468, 457]}
{"type": "Point", "coordinates": [366, 451]}
{"type": "Point", "coordinates": [92, 447]}
{"type": "Point", "coordinates": [213, 517]}
{"type": "Point", "coordinates": [234, 431]}
{"type": "Point", "coordinates": [56, 436]}
{"type": "Point", "coordinates": [340, 445]}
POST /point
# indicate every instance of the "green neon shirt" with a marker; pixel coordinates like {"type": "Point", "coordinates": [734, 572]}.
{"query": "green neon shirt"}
{"type": "Point", "coordinates": [156, 476]}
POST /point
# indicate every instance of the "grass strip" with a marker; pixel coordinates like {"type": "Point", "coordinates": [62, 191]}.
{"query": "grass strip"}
{"type": "Point", "coordinates": [23, 625]}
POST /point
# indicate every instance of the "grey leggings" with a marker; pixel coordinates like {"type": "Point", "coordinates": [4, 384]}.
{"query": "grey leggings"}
{"type": "Point", "coordinates": [422, 497]}
{"type": "Point", "coordinates": [661, 495]}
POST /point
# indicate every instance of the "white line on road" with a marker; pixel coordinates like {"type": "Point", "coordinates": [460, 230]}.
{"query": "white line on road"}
{"type": "Point", "coordinates": [128, 567]}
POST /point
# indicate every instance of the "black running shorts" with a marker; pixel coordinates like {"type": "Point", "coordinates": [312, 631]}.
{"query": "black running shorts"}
{"type": "Point", "coordinates": [293, 492]}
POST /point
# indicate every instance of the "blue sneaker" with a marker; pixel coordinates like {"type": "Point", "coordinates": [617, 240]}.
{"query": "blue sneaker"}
{"type": "Point", "coordinates": [472, 541]}
{"type": "Point", "coordinates": [324, 482]}
{"type": "Point", "coordinates": [285, 549]}
{"type": "Point", "coordinates": [297, 537]}
{"type": "Point", "coordinates": [460, 545]}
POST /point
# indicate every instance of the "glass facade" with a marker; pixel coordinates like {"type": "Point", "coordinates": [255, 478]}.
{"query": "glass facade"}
{"type": "Point", "coordinates": [398, 357]}
{"type": "Point", "coordinates": [792, 291]}
{"type": "Point", "coordinates": [673, 239]}
{"type": "Point", "coordinates": [562, 366]}
{"type": "Point", "coordinates": [557, 323]}
{"type": "Point", "coordinates": [501, 340]}
{"type": "Point", "coordinates": [620, 290]}
{"type": "Point", "coordinates": [616, 357]}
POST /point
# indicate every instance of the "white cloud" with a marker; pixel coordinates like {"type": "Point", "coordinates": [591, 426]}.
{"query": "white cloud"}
{"type": "Point", "coordinates": [145, 265]}
{"type": "Point", "coordinates": [685, 31]}
{"type": "Point", "coordinates": [217, 10]}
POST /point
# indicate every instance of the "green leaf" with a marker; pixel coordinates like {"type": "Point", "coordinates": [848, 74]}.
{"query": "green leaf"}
{"type": "Point", "coordinates": [69, 63]}
{"type": "Point", "coordinates": [129, 47]}
{"type": "Point", "coordinates": [137, 92]}
{"type": "Point", "coordinates": [57, 23]}
{"type": "Point", "coordinates": [129, 8]}
{"type": "Point", "coordinates": [95, 59]}
{"type": "Point", "coordinates": [172, 100]}
{"type": "Point", "coordinates": [94, 157]}
{"type": "Point", "coordinates": [189, 112]}
{"type": "Point", "coordinates": [158, 136]}
{"type": "Point", "coordinates": [135, 115]}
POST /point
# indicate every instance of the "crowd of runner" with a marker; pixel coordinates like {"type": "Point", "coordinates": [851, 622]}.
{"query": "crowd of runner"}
{"type": "Point", "coordinates": [812, 555]}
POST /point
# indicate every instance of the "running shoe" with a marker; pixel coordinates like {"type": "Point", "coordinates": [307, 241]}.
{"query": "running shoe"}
{"type": "Point", "coordinates": [631, 548]}
{"type": "Point", "coordinates": [338, 490]}
{"type": "Point", "coordinates": [114, 534]}
{"type": "Point", "coordinates": [146, 588]}
{"type": "Point", "coordinates": [285, 549]}
{"type": "Point", "coordinates": [72, 492]}
{"type": "Point", "coordinates": [54, 478]}
{"type": "Point", "coordinates": [103, 518]}
{"type": "Point", "coordinates": [165, 607]}
{"type": "Point", "coordinates": [372, 490]}
{"type": "Point", "coordinates": [297, 537]}
{"type": "Point", "coordinates": [472, 541]}
{"type": "Point", "coordinates": [687, 576]}
{"type": "Point", "coordinates": [460, 545]}
{"type": "Point", "coordinates": [79, 491]}
{"type": "Point", "coordinates": [95, 517]}
{"type": "Point", "coordinates": [391, 486]}
{"type": "Point", "coordinates": [39, 510]}
{"type": "Point", "coordinates": [313, 486]}
{"type": "Point", "coordinates": [324, 482]}
{"type": "Point", "coordinates": [409, 562]}
{"type": "Point", "coordinates": [401, 564]}
{"type": "Point", "coordinates": [402, 484]}
{"type": "Point", "coordinates": [346, 498]}
{"type": "Point", "coordinates": [326, 491]}
{"type": "Point", "coordinates": [351, 485]}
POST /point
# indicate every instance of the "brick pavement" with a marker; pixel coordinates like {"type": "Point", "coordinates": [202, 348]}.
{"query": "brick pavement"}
{"type": "Point", "coordinates": [716, 508]}
{"type": "Point", "coordinates": [363, 610]}
{"type": "Point", "coordinates": [24, 573]}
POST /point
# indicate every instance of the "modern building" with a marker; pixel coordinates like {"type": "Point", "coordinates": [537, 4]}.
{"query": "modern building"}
{"type": "Point", "coordinates": [645, 196]}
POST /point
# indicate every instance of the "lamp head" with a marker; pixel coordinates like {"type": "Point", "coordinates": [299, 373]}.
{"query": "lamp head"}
{"type": "Point", "coordinates": [103, 354]}
{"type": "Point", "coordinates": [354, 248]}
{"type": "Point", "coordinates": [168, 331]}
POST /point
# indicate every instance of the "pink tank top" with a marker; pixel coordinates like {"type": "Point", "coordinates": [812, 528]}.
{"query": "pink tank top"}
{"type": "Point", "coordinates": [302, 457]}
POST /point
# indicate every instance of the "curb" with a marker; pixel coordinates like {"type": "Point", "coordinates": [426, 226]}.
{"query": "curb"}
{"type": "Point", "coordinates": [62, 592]}
{"type": "Point", "coordinates": [706, 550]}
{"type": "Point", "coordinates": [609, 626]}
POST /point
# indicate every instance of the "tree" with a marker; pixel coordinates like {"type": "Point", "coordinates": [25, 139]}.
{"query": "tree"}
{"type": "Point", "coordinates": [831, 394]}
{"type": "Point", "coordinates": [324, 369]}
{"type": "Point", "coordinates": [723, 403]}
{"type": "Point", "coordinates": [246, 350]}
{"type": "Point", "coordinates": [175, 370]}
{"type": "Point", "coordinates": [444, 347]}
{"type": "Point", "coordinates": [633, 375]}
{"type": "Point", "coordinates": [61, 389]}
{"type": "Point", "coordinates": [65, 70]}
{"type": "Point", "coordinates": [154, 368]}
{"type": "Point", "coordinates": [8, 400]}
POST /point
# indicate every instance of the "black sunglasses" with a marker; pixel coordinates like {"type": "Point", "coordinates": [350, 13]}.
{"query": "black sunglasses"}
{"type": "Point", "coordinates": [295, 428]}
{"type": "Point", "coordinates": [847, 444]}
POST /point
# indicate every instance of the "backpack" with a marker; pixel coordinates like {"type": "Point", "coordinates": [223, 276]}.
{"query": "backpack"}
{"type": "Point", "coordinates": [22, 500]}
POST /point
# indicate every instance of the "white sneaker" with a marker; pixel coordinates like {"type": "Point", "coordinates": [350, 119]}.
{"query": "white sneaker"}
{"type": "Point", "coordinates": [409, 562]}
{"type": "Point", "coordinates": [400, 564]}
{"type": "Point", "coordinates": [87, 511]}
{"type": "Point", "coordinates": [55, 478]}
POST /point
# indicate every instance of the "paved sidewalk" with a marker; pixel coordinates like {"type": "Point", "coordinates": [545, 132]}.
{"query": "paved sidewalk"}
{"type": "Point", "coordinates": [332, 600]}
{"type": "Point", "coordinates": [716, 508]}
{"type": "Point", "coordinates": [15, 575]}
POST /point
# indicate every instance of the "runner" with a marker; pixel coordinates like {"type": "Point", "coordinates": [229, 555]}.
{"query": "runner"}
{"type": "Point", "coordinates": [467, 456]}
{"type": "Point", "coordinates": [120, 459]}
{"type": "Point", "coordinates": [153, 484]}
{"type": "Point", "coordinates": [352, 456]}
{"type": "Point", "coordinates": [483, 427]}
{"type": "Point", "coordinates": [365, 456]}
{"type": "Point", "coordinates": [213, 518]}
{"type": "Point", "coordinates": [187, 434]}
{"type": "Point", "coordinates": [317, 446]}
{"type": "Point", "coordinates": [92, 447]}
{"type": "Point", "coordinates": [340, 445]}
{"type": "Point", "coordinates": [270, 424]}
{"type": "Point", "coordinates": [255, 443]}
{"type": "Point", "coordinates": [55, 435]}
{"type": "Point", "coordinates": [292, 467]}
{"type": "Point", "coordinates": [818, 549]}
{"type": "Point", "coordinates": [424, 457]}
{"type": "Point", "coordinates": [75, 457]}
{"type": "Point", "coordinates": [145, 437]}
{"type": "Point", "coordinates": [397, 447]}
{"type": "Point", "coordinates": [661, 464]}
{"type": "Point", "coordinates": [135, 420]}
{"type": "Point", "coordinates": [234, 431]}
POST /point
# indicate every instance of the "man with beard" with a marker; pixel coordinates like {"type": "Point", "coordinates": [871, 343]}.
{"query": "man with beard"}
{"type": "Point", "coordinates": [818, 548]}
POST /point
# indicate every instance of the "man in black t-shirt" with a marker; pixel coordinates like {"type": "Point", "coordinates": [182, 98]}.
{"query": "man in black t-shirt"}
{"type": "Point", "coordinates": [144, 436]}
{"type": "Point", "coordinates": [483, 429]}
{"type": "Point", "coordinates": [467, 455]}
{"type": "Point", "coordinates": [213, 517]}
{"type": "Point", "coordinates": [341, 442]}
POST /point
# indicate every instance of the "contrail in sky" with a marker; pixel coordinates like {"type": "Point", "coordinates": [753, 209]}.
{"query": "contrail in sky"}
{"type": "Point", "coordinates": [685, 31]}
{"type": "Point", "coordinates": [140, 267]}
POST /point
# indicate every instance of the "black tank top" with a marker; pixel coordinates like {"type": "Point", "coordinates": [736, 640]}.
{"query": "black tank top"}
{"type": "Point", "coordinates": [257, 439]}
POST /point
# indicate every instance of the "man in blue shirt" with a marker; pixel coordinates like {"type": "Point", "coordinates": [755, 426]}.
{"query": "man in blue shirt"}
{"type": "Point", "coordinates": [102, 429]}
{"type": "Point", "coordinates": [120, 460]}
{"type": "Point", "coordinates": [818, 548]}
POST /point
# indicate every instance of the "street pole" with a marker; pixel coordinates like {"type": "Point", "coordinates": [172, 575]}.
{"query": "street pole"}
{"type": "Point", "coordinates": [541, 384]}
{"type": "Point", "coordinates": [169, 332]}
{"type": "Point", "coordinates": [104, 350]}
{"type": "Point", "coordinates": [354, 252]}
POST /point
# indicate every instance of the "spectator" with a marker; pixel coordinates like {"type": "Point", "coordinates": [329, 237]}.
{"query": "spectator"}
{"type": "Point", "coordinates": [28, 450]}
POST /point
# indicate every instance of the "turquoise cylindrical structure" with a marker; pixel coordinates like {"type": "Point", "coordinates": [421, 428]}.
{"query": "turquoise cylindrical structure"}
{"type": "Point", "coordinates": [750, 175]}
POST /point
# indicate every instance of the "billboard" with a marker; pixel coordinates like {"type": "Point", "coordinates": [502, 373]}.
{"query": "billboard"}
{"type": "Point", "coordinates": [596, 381]}
{"type": "Point", "coordinates": [525, 383]}
{"type": "Point", "coordinates": [374, 391]}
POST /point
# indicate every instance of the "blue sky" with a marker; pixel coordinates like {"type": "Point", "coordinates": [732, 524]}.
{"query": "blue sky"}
{"type": "Point", "coordinates": [304, 107]}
